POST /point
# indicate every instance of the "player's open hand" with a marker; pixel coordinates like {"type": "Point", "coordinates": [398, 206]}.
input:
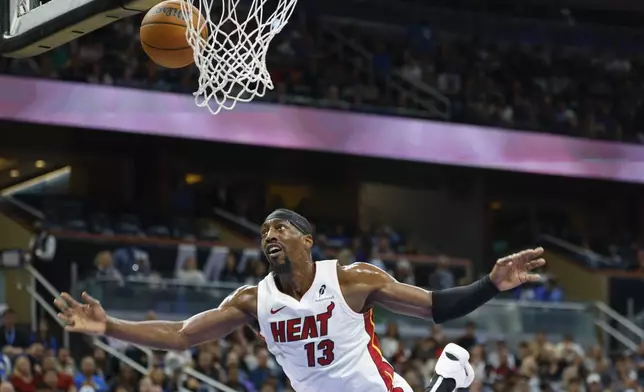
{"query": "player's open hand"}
{"type": "Point", "coordinates": [516, 269]}
{"type": "Point", "coordinates": [88, 317]}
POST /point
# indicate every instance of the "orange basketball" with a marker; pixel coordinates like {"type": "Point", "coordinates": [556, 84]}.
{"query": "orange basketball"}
{"type": "Point", "coordinates": [163, 34]}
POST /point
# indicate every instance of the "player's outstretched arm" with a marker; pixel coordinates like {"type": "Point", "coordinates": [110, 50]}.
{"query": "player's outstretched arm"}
{"type": "Point", "coordinates": [237, 309]}
{"type": "Point", "coordinates": [380, 288]}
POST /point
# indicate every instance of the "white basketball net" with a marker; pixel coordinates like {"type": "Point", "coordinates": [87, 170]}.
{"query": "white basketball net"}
{"type": "Point", "coordinates": [232, 60]}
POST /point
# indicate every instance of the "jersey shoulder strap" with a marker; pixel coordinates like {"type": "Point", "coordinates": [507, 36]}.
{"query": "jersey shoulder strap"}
{"type": "Point", "coordinates": [326, 269]}
{"type": "Point", "coordinates": [264, 295]}
{"type": "Point", "coordinates": [327, 272]}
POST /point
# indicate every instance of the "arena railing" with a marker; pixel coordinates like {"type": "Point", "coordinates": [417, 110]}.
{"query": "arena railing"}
{"type": "Point", "coordinates": [619, 327]}
{"type": "Point", "coordinates": [582, 255]}
{"type": "Point", "coordinates": [49, 309]}
{"type": "Point", "coordinates": [638, 319]}
{"type": "Point", "coordinates": [55, 293]}
{"type": "Point", "coordinates": [187, 371]}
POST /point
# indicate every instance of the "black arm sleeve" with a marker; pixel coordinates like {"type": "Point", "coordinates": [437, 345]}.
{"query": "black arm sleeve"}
{"type": "Point", "coordinates": [458, 301]}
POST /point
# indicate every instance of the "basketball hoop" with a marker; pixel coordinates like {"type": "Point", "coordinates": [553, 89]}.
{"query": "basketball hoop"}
{"type": "Point", "coordinates": [232, 60]}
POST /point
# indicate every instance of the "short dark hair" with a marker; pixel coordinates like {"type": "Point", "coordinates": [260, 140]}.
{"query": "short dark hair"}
{"type": "Point", "coordinates": [8, 312]}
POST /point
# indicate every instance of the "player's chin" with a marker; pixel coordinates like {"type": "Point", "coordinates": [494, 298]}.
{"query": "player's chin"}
{"type": "Point", "coordinates": [277, 258]}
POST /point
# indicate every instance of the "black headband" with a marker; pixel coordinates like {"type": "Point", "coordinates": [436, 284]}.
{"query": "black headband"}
{"type": "Point", "coordinates": [297, 220]}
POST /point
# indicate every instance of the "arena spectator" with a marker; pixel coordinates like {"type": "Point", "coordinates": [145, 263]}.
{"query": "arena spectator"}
{"type": "Point", "coordinates": [345, 256]}
{"type": "Point", "coordinates": [132, 261]}
{"type": "Point", "coordinates": [469, 339]}
{"type": "Point", "coordinates": [65, 361]}
{"type": "Point", "coordinates": [258, 271]}
{"type": "Point", "coordinates": [319, 249]}
{"type": "Point", "coordinates": [234, 381]}
{"type": "Point", "coordinates": [23, 379]}
{"type": "Point", "coordinates": [159, 379]}
{"type": "Point", "coordinates": [64, 381]}
{"type": "Point", "coordinates": [549, 292]}
{"type": "Point", "coordinates": [87, 377]}
{"type": "Point", "coordinates": [44, 336]}
{"type": "Point", "coordinates": [596, 361]}
{"type": "Point", "coordinates": [5, 367]}
{"type": "Point", "coordinates": [50, 382]}
{"type": "Point", "coordinates": [338, 239]}
{"type": "Point", "coordinates": [11, 338]}
{"type": "Point", "coordinates": [230, 272]}
{"type": "Point", "coordinates": [477, 359]}
{"type": "Point", "coordinates": [404, 272]}
{"type": "Point", "coordinates": [568, 350]}
{"type": "Point", "coordinates": [442, 278]}
{"type": "Point", "coordinates": [190, 274]}
{"type": "Point", "coordinates": [205, 364]}
{"type": "Point", "coordinates": [390, 342]}
{"type": "Point", "coordinates": [625, 376]}
{"type": "Point", "coordinates": [260, 375]}
{"type": "Point", "coordinates": [36, 353]}
{"type": "Point", "coordinates": [105, 268]}
{"type": "Point", "coordinates": [103, 365]}
{"type": "Point", "coordinates": [502, 361]}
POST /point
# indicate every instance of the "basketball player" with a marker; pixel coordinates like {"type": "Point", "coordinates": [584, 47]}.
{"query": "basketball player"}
{"type": "Point", "coordinates": [317, 317]}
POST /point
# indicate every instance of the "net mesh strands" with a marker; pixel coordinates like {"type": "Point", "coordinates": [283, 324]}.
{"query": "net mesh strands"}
{"type": "Point", "coordinates": [232, 59]}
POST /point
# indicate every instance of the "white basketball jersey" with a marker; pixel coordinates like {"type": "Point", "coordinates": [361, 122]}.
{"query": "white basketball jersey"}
{"type": "Point", "coordinates": [320, 342]}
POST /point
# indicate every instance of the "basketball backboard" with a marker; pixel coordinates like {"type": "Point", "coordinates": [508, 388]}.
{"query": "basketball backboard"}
{"type": "Point", "coordinates": [32, 27]}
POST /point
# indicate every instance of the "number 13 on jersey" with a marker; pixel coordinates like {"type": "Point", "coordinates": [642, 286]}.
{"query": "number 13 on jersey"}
{"type": "Point", "coordinates": [320, 352]}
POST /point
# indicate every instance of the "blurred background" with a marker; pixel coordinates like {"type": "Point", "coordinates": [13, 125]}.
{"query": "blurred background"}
{"type": "Point", "coordinates": [428, 139]}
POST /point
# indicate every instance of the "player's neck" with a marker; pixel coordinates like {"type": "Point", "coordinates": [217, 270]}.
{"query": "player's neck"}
{"type": "Point", "coordinates": [298, 282]}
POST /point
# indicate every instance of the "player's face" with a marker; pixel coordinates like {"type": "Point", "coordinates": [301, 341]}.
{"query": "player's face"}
{"type": "Point", "coordinates": [281, 240]}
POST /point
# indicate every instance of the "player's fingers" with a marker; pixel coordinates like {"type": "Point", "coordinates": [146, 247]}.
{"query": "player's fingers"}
{"type": "Point", "coordinates": [534, 264]}
{"type": "Point", "coordinates": [62, 305]}
{"type": "Point", "coordinates": [527, 254]}
{"type": "Point", "coordinates": [506, 260]}
{"type": "Point", "coordinates": [70, 301]}
{"type": "Point", "coordinates": [530, 254]}
{"type": "Point", "coordinates": [89, 299]}
{"type": "Point", "coordinates": [67, 320]}
{"type": "Point", "coordinates": [531, 278]}
{"type": "Point", "coordinates": [71, 328]}
{"type": "Point", "coordinates": [534, 253]}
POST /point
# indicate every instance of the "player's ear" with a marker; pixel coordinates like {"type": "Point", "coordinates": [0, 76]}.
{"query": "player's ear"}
{"type": "Point", "coordinates": [308, 241]}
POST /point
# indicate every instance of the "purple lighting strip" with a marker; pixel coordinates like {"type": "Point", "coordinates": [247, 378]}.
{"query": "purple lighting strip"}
{"type": "Point", "coordinates": [164, 114]}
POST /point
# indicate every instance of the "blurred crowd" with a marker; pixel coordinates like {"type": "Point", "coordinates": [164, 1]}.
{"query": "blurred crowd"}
{"type": "Point", "coordinates": [564, 90]}
{"type": "Point", "coordinates": [378, 247]}
{"type": "Point", "coordinates": [246, 267]}
{"type": "Point", "coordinates": [536, 365]}
{"type": "Point", "coordinates": [38, 363]}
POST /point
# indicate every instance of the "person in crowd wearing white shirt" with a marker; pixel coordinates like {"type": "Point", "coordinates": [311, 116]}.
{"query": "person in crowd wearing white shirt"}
{"type": "Point", "coordinates": [568, 350]}
{"type": "Point", "coordinates": [190, 274]}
